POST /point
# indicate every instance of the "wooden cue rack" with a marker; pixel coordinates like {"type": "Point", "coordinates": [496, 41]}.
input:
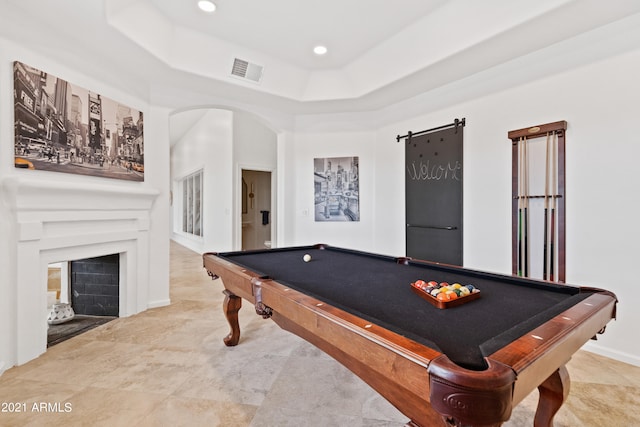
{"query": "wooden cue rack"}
{"type": "Point", "coordinates": [519, 139]}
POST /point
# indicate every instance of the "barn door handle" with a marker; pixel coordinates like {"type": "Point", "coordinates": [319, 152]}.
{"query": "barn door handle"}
{"type": "Point", "coordinates": [432, 227]}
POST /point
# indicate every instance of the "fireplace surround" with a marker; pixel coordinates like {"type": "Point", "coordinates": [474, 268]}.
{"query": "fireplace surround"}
{"type": "Point", "coordinates": [59, 221]}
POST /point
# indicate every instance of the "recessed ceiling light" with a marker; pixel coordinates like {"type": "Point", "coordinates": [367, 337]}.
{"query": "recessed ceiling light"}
{"type": "Point", "coordinates": [207, 6]}
{"type": "Point", "coordinates": [320, 50]}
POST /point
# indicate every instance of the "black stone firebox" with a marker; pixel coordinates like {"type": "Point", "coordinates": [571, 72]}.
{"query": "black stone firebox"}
{"type": "Point", "coordinates": [95, 286]}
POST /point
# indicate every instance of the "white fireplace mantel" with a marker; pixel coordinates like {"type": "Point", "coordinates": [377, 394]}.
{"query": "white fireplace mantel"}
{"type": "Point", "coordinates": [28, 194]}
{"type": "Point", "coordinates": [56, 220]}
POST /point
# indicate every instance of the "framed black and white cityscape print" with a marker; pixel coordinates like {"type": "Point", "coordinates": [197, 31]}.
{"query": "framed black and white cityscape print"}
{"type": "Point", "coordinates": [336, 189]}
{"type": "Point", "coordinates": [62, 127]}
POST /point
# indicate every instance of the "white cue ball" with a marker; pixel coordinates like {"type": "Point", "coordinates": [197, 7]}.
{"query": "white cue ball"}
{"type": "Point", "coordinates": [306, 257]}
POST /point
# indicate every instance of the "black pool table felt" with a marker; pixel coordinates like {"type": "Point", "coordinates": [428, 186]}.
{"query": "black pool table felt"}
{"type": "Point", "coordinates": [378, 289]}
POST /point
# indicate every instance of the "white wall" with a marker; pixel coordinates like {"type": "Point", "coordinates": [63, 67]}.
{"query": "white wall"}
{"type": "Point", "coordinates": [301, 150]}
{"type": "Point", "coordinates": [8, 274]}
{"type": "Point", "coordinates": [157, 165]}
{"type": "Point", "coordinates": [254, 142]}
{"type": "Point", "coordinates": [207, 146]}
{"type": "Point", "coordinates": [600, 103]}
{"type": "Point", "coordinates": [286, 194]}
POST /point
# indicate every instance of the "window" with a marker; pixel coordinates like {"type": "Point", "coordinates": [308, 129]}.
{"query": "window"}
{"type": "Point", "coordinates": [192, 204]}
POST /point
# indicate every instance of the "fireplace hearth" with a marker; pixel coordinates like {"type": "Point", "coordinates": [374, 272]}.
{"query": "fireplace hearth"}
{"type": "Point", "coordinates": [78, 325]}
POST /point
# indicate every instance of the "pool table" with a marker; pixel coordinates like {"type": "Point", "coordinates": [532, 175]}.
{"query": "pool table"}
{"type": "Point", "coordinates": [464, 365]}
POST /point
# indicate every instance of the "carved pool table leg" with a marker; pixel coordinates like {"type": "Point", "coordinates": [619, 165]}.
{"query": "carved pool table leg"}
{"type": "Point", "coordinates": [553, 392]}
{"type": "Point", "coordinates": [231, 306]}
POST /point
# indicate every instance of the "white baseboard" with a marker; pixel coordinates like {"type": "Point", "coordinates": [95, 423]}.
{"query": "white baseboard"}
{"type": "Point", "coordinates": [612, 354]}
{"type": "Point", "coordinates": [159, 303]}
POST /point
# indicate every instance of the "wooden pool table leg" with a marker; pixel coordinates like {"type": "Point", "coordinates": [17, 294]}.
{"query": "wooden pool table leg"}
{"type": "Point", "coordinates": [553, 392]}
{"type": "Point", "coordinates": [231, 306]}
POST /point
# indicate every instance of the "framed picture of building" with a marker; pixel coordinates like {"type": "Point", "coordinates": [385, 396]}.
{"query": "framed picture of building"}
{"type": "Point", "coordinates": [62, 127]}
{"type": "Point", "coordinates": [336, 189]}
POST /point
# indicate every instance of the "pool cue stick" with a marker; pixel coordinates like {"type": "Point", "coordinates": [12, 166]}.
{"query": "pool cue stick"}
{"type": "Point", "coordinates": [520, 206]}
{"type": "Point", "coordinates": [545, 261]}
{"type": "Point", "coordinates": [554, 177]}
{"type": "Point", "coordinates": [526, 207]}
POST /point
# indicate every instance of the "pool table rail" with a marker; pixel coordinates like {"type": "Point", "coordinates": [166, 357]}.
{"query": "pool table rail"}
{"type": "Point", "coordinates": [518, 367]}
{"type": "Point", "coordinates": [538, 353]}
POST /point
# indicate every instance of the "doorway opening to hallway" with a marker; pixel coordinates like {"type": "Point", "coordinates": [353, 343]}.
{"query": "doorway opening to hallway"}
{"type": "Point", "coordinates": [256, 209]}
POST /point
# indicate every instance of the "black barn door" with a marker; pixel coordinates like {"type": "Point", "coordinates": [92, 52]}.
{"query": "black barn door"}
{"type": "Point", "coordinates": [433, 190]}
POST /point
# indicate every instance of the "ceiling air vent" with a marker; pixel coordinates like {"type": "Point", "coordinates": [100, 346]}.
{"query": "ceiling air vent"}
{"type": "Point", "coordinates": [246, 70]}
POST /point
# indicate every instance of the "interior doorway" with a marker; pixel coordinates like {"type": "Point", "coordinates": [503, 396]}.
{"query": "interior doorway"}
{"type": "Point", "coordinates": [256, 209]}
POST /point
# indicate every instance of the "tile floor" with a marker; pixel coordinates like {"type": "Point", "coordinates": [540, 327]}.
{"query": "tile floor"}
{"type": "Point", "coordinates": [169, 367]}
